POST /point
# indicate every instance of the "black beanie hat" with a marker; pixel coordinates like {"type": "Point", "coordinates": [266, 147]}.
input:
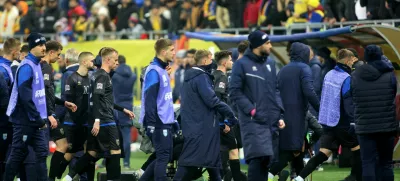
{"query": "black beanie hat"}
{"type": "Point", "coordinates": [257, 38]}
{"type": "Point", "coordinates": [35, 39]}
{"type": "Point", "coordinates": [372, 53]}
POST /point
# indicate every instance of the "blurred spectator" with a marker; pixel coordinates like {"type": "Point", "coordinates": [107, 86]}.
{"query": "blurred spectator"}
{"type": "Point", "coordinates": [372, 8]}
{"type": "Point", "coordinates": [50, 16]}
{"type": "Point", "coordinates": [361, 12]}
{"type": "Point", "coordinates": [223, 14]}
{"type": "Point", "coordinates": [164, 10]}
{"type": "Point", "coordinates": [394, 7]}
{"type": "Point", "coordinates": [75, 10]}
{"type": "Point", "coordinates": [135, 27]}
{"type": "Point", "coordinates": [273, 13]}
{"type": "Point", "coordinates": [124, 13]}
{"type": "Point", "coordinates": [250, 16]}
{"type": "Point", "coordinates": [101, 4]}
{"type": "Point", "coordinates": [154, 21]}
{"type": "Point", "coordinates": [80, 26]}
{"type": "Point", "coordinates": [210, 12]}
{"type": "Point", "coordinates": [347, 11]}
{"type": "Point", "coordinates": [193, 14]}
{"type": "Point", "coordinates": [102, 23]}
{"type": "Point", "coordinates": [21, 20]}
{"type": "Point", "coordinates": [177, 22]}
{"type": "Point", "coordinates": [331, 11]}
{"type": "Point", "coordinates": [145, 9]}
{"type": "Point", "coordinates": [236, 9]}
{"type": "Point", "coordinates": [33, 16]}
{"type": "Point", "coordinates": [8, 19]}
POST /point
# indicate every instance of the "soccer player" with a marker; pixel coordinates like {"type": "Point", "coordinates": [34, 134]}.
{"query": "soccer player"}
{"type": "Point", "coordinates": [11, 52]}
{"type": "Point", "coordinates": [53, 51]}
{"type": "Point", "coordinates": [104, 136]}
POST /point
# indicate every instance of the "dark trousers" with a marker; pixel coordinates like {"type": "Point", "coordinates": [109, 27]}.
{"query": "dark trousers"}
{"type": "Point", "coordinates": [192, 173]}
{"type": "Point", "coordinates": [28, 172]}
{"type": "Point", "coordinates": [22, 137]}
{"type": "Point", "coordinates": [126, 137]}
{"type": "Point", "coordinates": [5, 145]}
{"type": "Point", "coordinates": [258, 168]}
{"type": "Point", "coordinates": [377, 155]}
{"type": "Point", "coordinates": [163, 144]}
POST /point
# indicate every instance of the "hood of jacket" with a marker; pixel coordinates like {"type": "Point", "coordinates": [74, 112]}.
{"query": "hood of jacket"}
{"type": "Point", "coordinates": [315, 61]}
{"type": "Point", "coordinates": [124, 71]}
{"type": "Point", "coordinates": [73, 68]}
{"type": "Point", "coordinates": [249, 53]}
{"type": "Point", "coordinates": [194, 72]}
{"type": "Point", "coordinates": [373, 70]}
{"type": "Point", "coordinates": [299, 53]}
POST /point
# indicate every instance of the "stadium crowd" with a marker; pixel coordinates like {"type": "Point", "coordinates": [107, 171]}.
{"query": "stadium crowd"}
{"type": "Point", "coordinates": [71, 18]}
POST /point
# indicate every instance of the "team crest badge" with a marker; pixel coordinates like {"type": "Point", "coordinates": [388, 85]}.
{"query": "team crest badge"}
{"type": "Point", "coordinates": [269, 67]}
{"type": "Point", "coordinates": [254, 68]}
{"type": "Point", "coordinates": [46, 77]}
{"type": "Point", "coordinates": [24, 138]}
{"type": "Point", "coordinates": [117, 141]}
{"type": "Point", "coordinates": [62, 131]}
{"type": "Point", "coordinates": [70, 146]}
{"type": "Point", "coordinates": [221, 85]}
{"type": "Point", "coordinates": [165, 132]}
{"type": "Point", "coordinates": [4, 136]}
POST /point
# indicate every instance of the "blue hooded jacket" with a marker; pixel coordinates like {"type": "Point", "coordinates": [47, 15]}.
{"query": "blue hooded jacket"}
{"type": "Point", "coordinates": [61, 111]}
{"type": "Point", "coordinates": [295, 84]}
{"type": "Point", "coordinates": [5, 92]}
{"type": "Point", "coordinates": [123, 81]}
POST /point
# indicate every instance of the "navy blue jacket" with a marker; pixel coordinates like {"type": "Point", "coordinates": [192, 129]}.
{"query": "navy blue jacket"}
{"type": "Point", "coordinates": [201, 131]}
{"type": "Point", "coordinates": [296, 88]}
{"type": "Point", "coordinates": [25, 110]}
{"type": "Point", "coordinates": [61, 110]}
{"type": "Point", "coordinates": [316, 72]}
{"type": "Point", "coordinates": [5, 92]}
{"type": "Point", "coordinates": [151, 87]}
{"type": "Point", "coordinates": [14, 67]}
{"type": "Point", "coordinates": [123, 81]}
{"type": "Point", "coordinates": [253, 86]}
{"type": "Point", "coordinates": [179, 76]}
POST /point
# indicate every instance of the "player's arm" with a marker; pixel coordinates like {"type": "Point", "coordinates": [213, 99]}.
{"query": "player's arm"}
{"type": "Point", "coordinates": [100, 84]}
{"type": "Point", "coordinates": [24, 81]}
{"type": "Point", "coordinates": [50, 101]}
{"type": "Point", "coordinates": [236, 89]}
{"type": "Point", "coordinates": [308, 88]}
{"type": "Point", "coordinates": [4, 94]}
{"type": "Point", "coordinates": [210, 99]}
{"type": "Point", "coordinates": [70, 95]}
{"type": "Point", "coordinates": [151, 87]}
{"type": "Point", "coordinates": [347, 98]}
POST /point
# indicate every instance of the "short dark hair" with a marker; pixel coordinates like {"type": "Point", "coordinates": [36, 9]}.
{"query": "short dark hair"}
{"type": "Point", "coordinates": [106, 51]}
{"type": "Point", "coordinates": [243, 46]}
{"type": "Point", "coordinates": [162, 44]}
{"type": "Point", "coordinates": [191, 51]}
{"type": "Point", "coordinates": [10, 44]}
{"type": "Point", "coordinates": [24, 48]}
{"type": "Point", "coordinates": [221, 55]}
{"type": "Point", "coordinates": [344, 53]}
{"type": "Point", "coordinates": [121, 59]}
{"type": "Point", "coordinates": [83, 55]}
{"type": "Point", "coordinates": [200, 55]}
{"type": "Point", "coordinates": [53, 45]}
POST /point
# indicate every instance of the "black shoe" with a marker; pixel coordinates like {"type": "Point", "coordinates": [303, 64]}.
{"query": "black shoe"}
{"type": "Point", "coordinates": [284, 175]}
{"type": "Point", "coordinates": [350, 178]}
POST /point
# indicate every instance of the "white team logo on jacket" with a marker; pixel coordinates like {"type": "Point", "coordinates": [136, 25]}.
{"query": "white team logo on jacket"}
{"type": "Point", "coordinates": [36, 78]}
{"type": "Point", "coordinates": [4, 136]}
{"type": "Point", "coordinates": [168, 96]}
{"type": "Point", "coordinates": [165, 80]}
{"type": "Point", "coordinates": [254, 68]}
{"type": "Point", "coordinates": [40, 93]}
{"type": "Point", "coordinates": [269, 67]}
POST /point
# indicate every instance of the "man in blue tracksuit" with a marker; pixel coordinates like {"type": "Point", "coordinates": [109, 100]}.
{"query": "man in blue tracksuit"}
{"type": "Point", "coordinates": [296, 90]}
{"type": "Point", "coordinates": [335, 115]}
{"type": "Point", "coordinates": [253, 90]}
{"type": "Point", "coordinates": [157, 113]}
{"type": "Point", "coordinates": [200, 128]}
{"type": "Point", "coordinates": [27, 110]}
{"type": "Point", "coordinates": [11, 52]}
{"type": "Point", "coordinates": [123, 81]}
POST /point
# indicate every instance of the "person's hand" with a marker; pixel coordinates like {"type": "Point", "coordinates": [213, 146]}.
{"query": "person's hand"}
{"type": "Point", "coordinates": [281, 124]}
{"type": "Point", "coordinates": [253, 112]}
{"type": "Point", "coordinates": [343, 20]}
{"type": "Point", "coordinates": [387, 5]}
{"type": "Point", "coordinates": [227, 129]}
{"type": "Point", "coordinates": [169, 70]}
{"type": "Point", "coordinates": [129, 113]}
{"type": "Point", "coordinates": [96, 128]}
{"type": "Point", "coordinates": [71, 106]}
{"type": "Point", "coordinates": [332, 21]}
{"type": "Point", "coordinates": [53, 122]}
